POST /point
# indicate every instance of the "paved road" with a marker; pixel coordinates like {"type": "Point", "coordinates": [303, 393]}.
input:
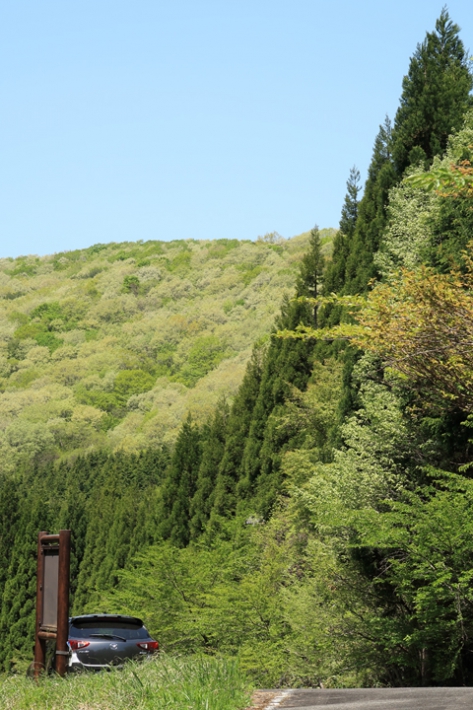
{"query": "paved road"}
{"type": "Point", "coordinates": [373, 698]}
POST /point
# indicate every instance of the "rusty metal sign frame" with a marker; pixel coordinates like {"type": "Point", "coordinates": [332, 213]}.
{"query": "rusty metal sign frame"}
{"type": "Point", "coordinates": [52, 599]}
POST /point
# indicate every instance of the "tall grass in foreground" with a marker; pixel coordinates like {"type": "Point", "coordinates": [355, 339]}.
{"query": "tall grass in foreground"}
{"type": "Point", "coordinates": [192, 683]}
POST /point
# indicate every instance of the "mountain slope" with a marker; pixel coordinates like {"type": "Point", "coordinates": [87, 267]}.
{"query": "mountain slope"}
{"type": "Point", "coordinates": [109, 347]}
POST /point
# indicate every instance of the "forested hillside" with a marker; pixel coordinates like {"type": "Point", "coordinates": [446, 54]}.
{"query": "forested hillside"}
{"type": "Point", "coordinates": [317, 524]}
{"type": "Point", "coordinates": [109, 347]}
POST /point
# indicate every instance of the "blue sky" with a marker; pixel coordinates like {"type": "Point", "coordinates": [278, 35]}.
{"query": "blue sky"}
{"type": "Point", "coordinates": [126, 120]}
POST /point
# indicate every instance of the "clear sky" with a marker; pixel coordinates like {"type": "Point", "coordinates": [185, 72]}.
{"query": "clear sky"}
{"type": "Point", "coordinates": [144, 119]}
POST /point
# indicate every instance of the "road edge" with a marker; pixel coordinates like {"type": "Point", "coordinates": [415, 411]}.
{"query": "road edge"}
{"type": "Point", "coordinates": [276, 702]}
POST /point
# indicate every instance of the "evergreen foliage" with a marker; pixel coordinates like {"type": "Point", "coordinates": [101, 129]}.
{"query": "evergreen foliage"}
{"type": "Point", "coordinates": [180, 485]}
{"type": "Point", "coordinates": [104, 500]}
{"type": "Point", "coordinates": [371, 218]}
{"type": "Point", "coordinates": [212, 454]}
{"type": "Point", "coordinates": [287, 364]}
{"type": "Point", "coordinates": [334, 277]}
{"type": "Point", "coordinates": [238, 427]}
{"type": "Point", "coordinates": [434, 100]}
{"type": "Point", "coordinates": [350, 206]}
{"type": "Point", "coordinates": [318, 524]}
{"type": "Point", "coordinates": [335, 272]}
{"type": "Point", "coordinates": [435, 97]}
{"type": "Point", "coordinates": [311, 268]}
{"type": "Point", "coordinates": [17, 617]}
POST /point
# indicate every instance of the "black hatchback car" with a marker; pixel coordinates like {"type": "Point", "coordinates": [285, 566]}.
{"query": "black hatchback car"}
{"type": "Point", "coordinates": [98, 641]}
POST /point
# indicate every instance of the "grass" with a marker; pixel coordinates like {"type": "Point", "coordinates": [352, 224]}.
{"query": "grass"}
{"type": "Point", "coordinates": [163, 683]}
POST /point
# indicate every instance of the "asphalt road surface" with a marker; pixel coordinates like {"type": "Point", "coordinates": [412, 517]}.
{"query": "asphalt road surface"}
{"type": "Point", "coordinates": [374, 698]}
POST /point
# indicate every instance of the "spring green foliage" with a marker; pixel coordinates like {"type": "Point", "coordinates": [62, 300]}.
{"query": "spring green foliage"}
{"type": "Point", "coordinates": [162, 684]}
{"type": "Point", "coordinates": [108, 348]}
{"type": "Point", "coordinates": [425, 541]}
{"type": "Point", "coordinates": [232, 589]}
{"type": "Point", "coordinates": [315, 521]}
{"type": "Point", "coordinates": [228, 599]}
{"type": "Point", "coordinates": [126, 505]}
{"type": "Point", "coordinates": [393, 506]}
{"type": "Point", "coordinates": [411, 214]}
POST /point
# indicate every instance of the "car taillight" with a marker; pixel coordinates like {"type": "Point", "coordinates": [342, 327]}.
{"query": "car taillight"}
{"type": "Point", "coordinates": [76, 645]}
{"type": "Point", "coordinates": [149, 645]}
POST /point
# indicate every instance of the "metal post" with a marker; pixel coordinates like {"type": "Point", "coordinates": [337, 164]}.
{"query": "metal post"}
{"type": "Point", "coordinates": [40, 644]}
{"type": "Point", "coordinates": [63, 602]}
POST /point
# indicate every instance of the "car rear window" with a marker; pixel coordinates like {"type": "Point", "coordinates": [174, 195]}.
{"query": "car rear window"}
{"type": "Point", "coordinates": [83, 629]}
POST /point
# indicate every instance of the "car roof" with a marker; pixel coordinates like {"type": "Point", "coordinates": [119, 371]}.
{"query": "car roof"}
{"type": "Point", "coordinates": [106, 617]}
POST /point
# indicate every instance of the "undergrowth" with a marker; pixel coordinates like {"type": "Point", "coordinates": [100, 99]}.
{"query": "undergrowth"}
{"type": "Point", "coordinates": [196, 683]}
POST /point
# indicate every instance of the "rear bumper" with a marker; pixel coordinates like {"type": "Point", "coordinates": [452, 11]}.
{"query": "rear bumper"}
{"type": "Point", "coordinates": [75, 664]}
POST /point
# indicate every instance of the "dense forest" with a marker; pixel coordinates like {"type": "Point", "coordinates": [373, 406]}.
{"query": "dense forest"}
{"type": "Point", "coordinates": [109, 347]}
{"type": "Point", "coordinates": [312, 515]}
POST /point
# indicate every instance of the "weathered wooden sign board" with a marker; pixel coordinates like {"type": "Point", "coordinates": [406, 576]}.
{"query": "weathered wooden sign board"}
{"type": "Point", "coordinates": [52, 599]}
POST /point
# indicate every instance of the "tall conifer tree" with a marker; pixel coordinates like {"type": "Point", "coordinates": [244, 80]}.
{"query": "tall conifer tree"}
{"type": "Point", "coordinates": [434, 100]}
{"type": "Point", "coordinates": [180, 484]}
{"type": "Point", "coordinates": [212, 453]}
{"type": "Point", "coordinates": [238, 427]}
{"type": "Point", "coordinates": [350, 206]}
{"type": "Point", "coordinates": [312, 268]}
{"type": "Point", "coordinates": [435, 96]}
{"type": "Point", "coordinates": [335, 273]}
{"type": "Point", "coordinates": [371, 217]}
